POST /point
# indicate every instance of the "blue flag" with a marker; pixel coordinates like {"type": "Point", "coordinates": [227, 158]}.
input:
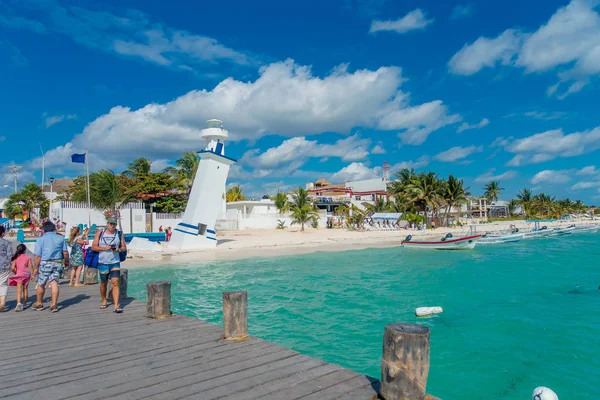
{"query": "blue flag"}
{"type": "Point", "coordinates": [78, 158]}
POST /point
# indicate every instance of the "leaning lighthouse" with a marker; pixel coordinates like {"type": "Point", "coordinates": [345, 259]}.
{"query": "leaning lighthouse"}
{"type": "Point", "coordinates": [207, 198]}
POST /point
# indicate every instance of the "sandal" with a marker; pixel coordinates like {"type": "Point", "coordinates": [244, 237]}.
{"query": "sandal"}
{"type": "Point", "coordinates": [118, 310]}
{"type": "Point", "coordinates": [103, 306]}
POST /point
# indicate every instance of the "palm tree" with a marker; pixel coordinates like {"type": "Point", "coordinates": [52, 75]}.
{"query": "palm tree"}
{"type": "Point", "coordinates": [234, 193]}
{"type": "Point", "coordinates": [454, 194]}
{"type": "Point", "coordinates": [107, 192]}
{"type": "Point", "coordinates": [281, 202]}
{"type": "Point", "coordinates": [403, 179]}
{"type": "Point", "coordinates": [185, 172]}
{"type": "Point", "coordinates": [524, 199]}
{"type": "Point", "coordinates": [512, 207]}
{"type": "Point", "coordinates": [303, 211]}
{"type": "Point", "coordinates": [26, 200]}
{"type": "Point", "coordinates": [138, 168]}
{"type": "Point", "coordinates": [544, 205]}
{"type": "Point", "coordinates": [492, 191]}
{"type": "Point", "coordinates": [424, 191]}
{"type": "Point", "coordinates": [381, 205]}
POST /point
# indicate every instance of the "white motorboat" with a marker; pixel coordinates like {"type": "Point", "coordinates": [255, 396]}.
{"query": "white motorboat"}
{"type": "Point", "coordinates": [495, 239]}
{"type": "Point", "coordinates": [447, 242]}
{"type": "Point", "coordinates": [586, 229]}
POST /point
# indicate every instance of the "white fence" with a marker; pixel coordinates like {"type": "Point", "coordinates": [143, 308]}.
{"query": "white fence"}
{"type": "Point", "coordinates": [133, 215]}
{"type": "Point", "coordinates": [165, 220]}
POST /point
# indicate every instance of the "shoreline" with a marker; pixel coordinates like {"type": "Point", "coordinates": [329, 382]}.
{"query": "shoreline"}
{"type": "Point", "coordinates": [237, 245]}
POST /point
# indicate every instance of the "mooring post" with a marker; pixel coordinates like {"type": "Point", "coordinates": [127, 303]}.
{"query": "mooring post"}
{"type": "Point", "coordinates": [90, 276]}
{"type": "Point", "coordinates": [235, 315]}
{"type": "Point", "coordinates": [405, 362]}
{"type": "Point", "coordinates": [122, 285]}
{"type": "Point", "coordinates": [158, 299]}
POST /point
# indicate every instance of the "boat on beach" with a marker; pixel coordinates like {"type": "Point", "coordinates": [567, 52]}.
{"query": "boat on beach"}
{"type": "Point", "coordinates": [447, 242]}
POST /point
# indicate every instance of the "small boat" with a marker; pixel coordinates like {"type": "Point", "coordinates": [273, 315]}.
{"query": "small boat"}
{"type": "Point", "coordinates": [511, 238]}
{"type": "Point", "coordinates": [586, 229]}
{"type": "Point", "coordinates": [447, 242]}
{"type": "Point", "coordinates": [561, 231]}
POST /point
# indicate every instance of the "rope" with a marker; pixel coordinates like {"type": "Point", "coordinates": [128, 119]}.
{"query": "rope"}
{"type": "Point", "coordinates": [237, 339]}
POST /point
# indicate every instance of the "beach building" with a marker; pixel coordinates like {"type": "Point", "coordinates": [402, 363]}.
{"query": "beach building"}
{"type": "Point", "coordinates": [2, 203]}
{"type": "Point", "coordinates": [328, 197]}
{"type": "Point", "coordinates": [58, 187]}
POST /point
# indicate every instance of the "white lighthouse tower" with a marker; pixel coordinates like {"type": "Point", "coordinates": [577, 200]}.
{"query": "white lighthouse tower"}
{"type": "Point", "coordinates": [207, 199]}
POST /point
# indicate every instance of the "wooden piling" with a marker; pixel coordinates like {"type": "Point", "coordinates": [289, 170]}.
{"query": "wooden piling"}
{"type": "Point", "coordinates": [90, 276]}
{"type": "Point", "coordinates": [158, 299]}
{"type": "Point", "coordinates": [405, 362]}
{"type": "Point", "coordinates": [122, 285]}
{"type": "Point", "coordinates": [235, 315]}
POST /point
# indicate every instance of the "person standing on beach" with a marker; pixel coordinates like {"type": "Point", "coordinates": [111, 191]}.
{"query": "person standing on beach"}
{"type": "Point", "coordinates": [49, 255]}
{"type": "Point", "coordinates": [109, 243]}
{"type": "Point", "coordinates": [6, 253]}
{"type": "Point", "coordinates": [21, 267]}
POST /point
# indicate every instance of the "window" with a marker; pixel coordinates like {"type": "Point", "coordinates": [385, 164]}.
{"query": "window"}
{"type": "Point", "coordinates": [356, 197]}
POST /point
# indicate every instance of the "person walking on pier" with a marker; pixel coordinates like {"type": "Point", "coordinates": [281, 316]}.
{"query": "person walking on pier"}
{"type": "Point", "coordinates": [109, 243]}
{"type": "Point", "coordinates": [21, 267]}
{"type": "Point", "coordinates": [49, 255]}
{"type": "Point", "coordinates": [6, 253]}
{"type": "Point", "coordinates": [77, 242]}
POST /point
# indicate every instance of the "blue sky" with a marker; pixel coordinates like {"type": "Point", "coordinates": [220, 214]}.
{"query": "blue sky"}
{"type": "Point", "coordinates": [483, 90]}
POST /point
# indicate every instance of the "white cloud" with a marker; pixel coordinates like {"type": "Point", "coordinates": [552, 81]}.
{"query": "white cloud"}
{"type": "Point", "coordinates": [589, 170]}
{"type": "Point", "coordinates": [486, 52]}
{"type": "Point", "coordinates": [414, 20]}
{"type": "Point", "coordinates": [465, 126]}
{"type": "Point", "coordinates": [552, 144]}
{"type": "Point", "coordinates": [55, 119]}
{"type": "Point", "coordinates": [457, 153]}
{"type": "Point", "coordinates": [462, 11]}
{"type": "Point", "coordinates": [418, 122]}
{"type": "Point", "coordinates": [131, 34]}
{"type": "Point", "coordinates": [489, 176]}
{"type": "Point", "coordinates": [543, 115]}
{"type": "Point", "coordinates": [570, 38]}
{"type": "Point", "coordinates": [501, 141]}
{"type": "Point", "coordinates": [355, 172]}
{"type": "Point", "coordinates": [293, 153]}
{"type": "Point", "coordinates": [585, 185]}
{"type": "Point", "coordinates": [551, 177]}
{"type": "Point", "coordinates": [336, 103]}
{"type": "Point", "coordinates": [378, 149]}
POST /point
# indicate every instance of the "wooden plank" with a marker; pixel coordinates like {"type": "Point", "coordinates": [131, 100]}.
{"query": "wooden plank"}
{"type": "Point", "coordinates": [342, 389]}
{"type": "Point", "coordinates": [285, 383]}
{"type": "Point", "coordinates": [290, 366]}
{"type": "Point", "coordinates": [158, 373]}
{"type": "Point", "coordinates": [308, 387]}
{"type": "Point", "coordinates": [98, 363]}
{"type": "Point", "coordinates": [251, 359]}
{"type": "Point", "coordinates": [365, 393]}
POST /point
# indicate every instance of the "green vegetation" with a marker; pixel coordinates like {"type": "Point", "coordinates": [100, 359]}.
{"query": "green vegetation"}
{"type": "Point", "coordinates": [234, 193]}
{"type": "Point", "coordinates": [303, 211]}
{"type": "Point", "coordinates": [25, 201]}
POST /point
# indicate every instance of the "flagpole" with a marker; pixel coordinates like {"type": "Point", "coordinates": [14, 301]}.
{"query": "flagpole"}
{"type": "Point", "coordinates": [87, 182]}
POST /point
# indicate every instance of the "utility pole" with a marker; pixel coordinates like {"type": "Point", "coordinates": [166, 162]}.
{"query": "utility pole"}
{"type": "Point", "coordinates": [15, 170]}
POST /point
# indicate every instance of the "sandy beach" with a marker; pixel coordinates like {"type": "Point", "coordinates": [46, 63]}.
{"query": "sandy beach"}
{"type": "Point", "coordinates": [273, 243]}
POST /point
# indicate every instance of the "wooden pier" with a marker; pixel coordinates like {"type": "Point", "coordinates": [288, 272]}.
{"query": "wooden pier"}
{"type": "Point", "coordinates": [87, 353]}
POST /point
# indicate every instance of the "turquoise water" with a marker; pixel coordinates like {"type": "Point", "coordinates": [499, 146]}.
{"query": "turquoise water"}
{"type": "Point", "coordinates": [515, 316]}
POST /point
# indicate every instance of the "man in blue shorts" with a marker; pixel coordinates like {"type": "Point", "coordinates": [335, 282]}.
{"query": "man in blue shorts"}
{"type": "Point", "coordinates": [108, 243]}
{"type": "Point", "coordinates": [49, 254]}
